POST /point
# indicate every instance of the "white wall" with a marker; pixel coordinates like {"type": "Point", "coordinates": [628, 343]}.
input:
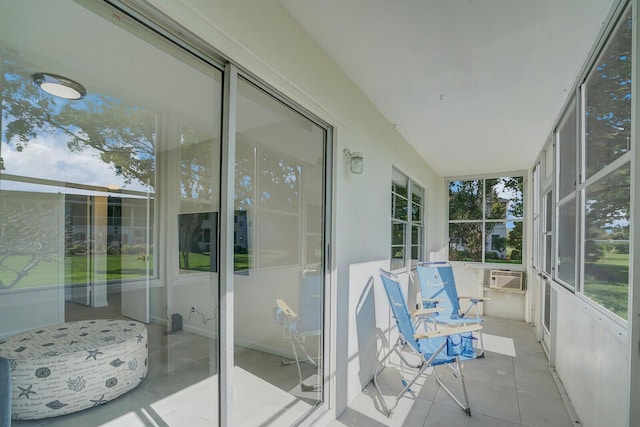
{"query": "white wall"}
{"type": "Point", "coordinates": [591, 358]}
{"type": "Point", "coordinates": [261, 37]}
{"type": "Point", "coordinates": [370, 334]}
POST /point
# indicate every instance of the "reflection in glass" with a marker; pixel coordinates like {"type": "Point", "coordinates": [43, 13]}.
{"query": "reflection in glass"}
{"type": "Point", "coordinates": [244, 202]}
{"type": "Point", "coordinates": [547, 305]}
{"type": "Point", "coordinates": [397, 244]}
{"type": "Point", "coordinates": [567, 242]}
{"type": "Point", "coordinates": [197, 235]}
{"type": "Point", "coordinates": [608, 100]}
{"type": "Point", "coordinates": [547, 233]}
{"type": "Point", "coordinates": [91, 191]}
{"type": "Point", "coordinates": [278, 285]}
{"type": "Point", "coordinates": [417, 195]}
{"type": "Point", "coordinates": [399, 196]}
{"type": "Point", "coordinates": [417, 244]}
{"type": "Point", "coordinates": [606, 235]}
{"type": "Point", "coordinates": [101, 170]}
{"type": "Point", "coordinates": [567, 140]}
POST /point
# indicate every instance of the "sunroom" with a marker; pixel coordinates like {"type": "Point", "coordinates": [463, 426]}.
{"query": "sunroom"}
{"type": "Point", "coordinates": [179, 180]}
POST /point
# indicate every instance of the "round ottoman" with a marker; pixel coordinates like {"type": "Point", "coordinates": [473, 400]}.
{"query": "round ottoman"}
{"type": "Point", "coordinates": [72, 366]}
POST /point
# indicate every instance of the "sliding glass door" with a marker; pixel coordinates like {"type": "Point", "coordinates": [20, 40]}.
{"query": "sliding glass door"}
{"type": "Point", "coordinates": [278, 260]}
{"type": "Point", "coordinates": [109, 193]}
{"type": "Point", "coordinates": [112, 164]}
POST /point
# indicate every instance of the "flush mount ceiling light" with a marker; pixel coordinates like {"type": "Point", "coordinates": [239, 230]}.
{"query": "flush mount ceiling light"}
{"type": "Point", "coordinates": [59, 86]}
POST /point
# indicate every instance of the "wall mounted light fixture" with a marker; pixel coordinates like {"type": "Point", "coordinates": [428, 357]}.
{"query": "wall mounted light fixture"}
{"type": "Point", "coordinates": [356, 161]}
{"type": "Point", "coordinates": [59, 86]}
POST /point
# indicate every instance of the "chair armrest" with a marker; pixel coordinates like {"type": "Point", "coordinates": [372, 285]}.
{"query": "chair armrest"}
{"type": "Point", "coordinates": [475, 299]}
{"type": "Point", "coordinates": [448, 331]}
{"type": "Point", "coordinates": [426, 311]}
{"type": "Point", "coordinates": [286, 309]}
{"type": "Point", "coordinates": [437, 301]}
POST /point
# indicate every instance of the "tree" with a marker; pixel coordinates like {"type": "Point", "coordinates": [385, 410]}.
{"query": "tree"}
{"type": "Point", "coordinates": [503, 201]}
{"type": "Point", "coordinates": [28, 237]}
{"type": "Point", "coordinates": [123, 135]}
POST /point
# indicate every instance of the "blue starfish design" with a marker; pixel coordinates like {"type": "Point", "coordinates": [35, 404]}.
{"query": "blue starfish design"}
{"type": "Point", "coordinates": [140, 337]}
{"type": "Point", "coordinates": [93, 353]}
{"type": "Point", "coordinates": [26, 391]}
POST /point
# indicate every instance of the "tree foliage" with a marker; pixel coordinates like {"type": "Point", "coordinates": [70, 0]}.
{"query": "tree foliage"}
{"type": "Point", "coordinates": [503, 200]}
{"type": "Point", "coordinates": [28, 237]}
{"type": "Point", "coordinates": [123, 135]}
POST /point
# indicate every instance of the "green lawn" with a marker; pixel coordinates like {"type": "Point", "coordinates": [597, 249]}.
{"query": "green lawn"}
{"type": "Point", "coordinates": [606, 282]}
{"type": "Point", "coordinates": [116, 267]}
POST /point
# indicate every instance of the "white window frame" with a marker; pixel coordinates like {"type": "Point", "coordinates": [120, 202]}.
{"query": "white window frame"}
{"type": "Point", "coordinates": [407, 261]}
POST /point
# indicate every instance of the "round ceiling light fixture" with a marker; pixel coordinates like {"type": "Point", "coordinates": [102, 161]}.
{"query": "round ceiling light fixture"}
{"type": "Point", "coordinates": [59, 86]}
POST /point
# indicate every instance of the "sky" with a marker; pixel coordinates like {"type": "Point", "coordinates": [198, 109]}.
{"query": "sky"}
{"type": "Point", "coordinates": [47, 157]}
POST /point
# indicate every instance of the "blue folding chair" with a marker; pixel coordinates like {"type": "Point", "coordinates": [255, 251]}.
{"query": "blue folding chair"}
{"type": "Point", "coordinates": [306, 322]}
{"type": "Point", "coordinates": [440, 347]}
{"type": "Point", "coordinates": [438, 289]}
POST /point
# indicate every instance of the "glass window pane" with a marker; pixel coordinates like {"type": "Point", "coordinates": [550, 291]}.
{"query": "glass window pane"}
{"type": "Point", "coordinates": [548, 212]}
{"type": "Point", "coordinates": [278, 181]}
{"type": "Point", "coordinates": [514, 241]}
{"type": "Point", "coordinates": [547, 253]}
{"type": "Point", "coordinates": [567, 241]}
{"type": "Point", "coordinates": [503, 242]}
{"type": "Point", "coordinates": [608, 100]}
{"type": "Point", "coordinates": [80, 227]}
{"type": "Point", "coordinates": [465, 200]}
{"type": "Point", "coordinates": [416, 213]}
{"type": "Point", "coordinates": [495, 242]}
{"type": "Point", "coordinates": [397, 257]}
{"type": "Point", "coordinates": [199, 169]}
{"type": "Point", "coordinates": [416, 254]}
{"type": "Point", "coordinates": [400, 184]}
{"type": "Point", "coordinates": [567, 140]}
{"type": "Point", "coordinates": [504, 198]}
{"type": "Point", "coordinates": [465, 242]}
{"type": "Point", "coordinates": [279, 187]}
{"type": "Point", "coordinates": [244, 203]}
{"type": "Point", "coordinates": [400, 207]}
{"type": "Point", "coordinates": [548, 159]}
{"type": "Point", "coordinates": [278, 236]}
{"type": "Point", "coordinates": [417, 193]}
{"type": "Point", "coordinates": [416, 235]}
{"type": "Point", "coordinates": [606, 236]}
{"type": "Point", "coordinates": [547, 305]}
{"type": "Point", "coordinates": [397, 233]}
{"type": "Point", "coordinates": [417, 244]}
{"type": "Point", "coordinates": [407, 213]}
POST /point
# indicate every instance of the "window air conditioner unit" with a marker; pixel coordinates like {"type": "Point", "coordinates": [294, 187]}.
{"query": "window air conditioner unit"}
{"type": "Point", "coordinates": [502, 279]}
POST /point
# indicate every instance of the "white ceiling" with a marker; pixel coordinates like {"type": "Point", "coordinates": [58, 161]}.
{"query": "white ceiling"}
{"type": "Point", "coordinates": [473, 85]}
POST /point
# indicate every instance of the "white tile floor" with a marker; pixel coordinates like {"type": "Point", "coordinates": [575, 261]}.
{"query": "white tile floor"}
{"type": "Point", "coordinates": [511, 386]}
{"type": "Point", "coordinates": [181, 389]}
